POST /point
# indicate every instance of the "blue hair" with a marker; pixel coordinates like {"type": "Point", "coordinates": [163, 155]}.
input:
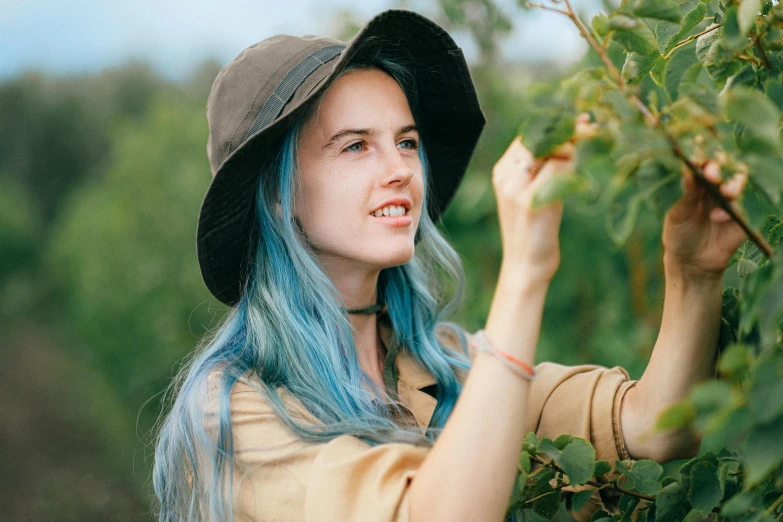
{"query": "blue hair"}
{"type": "Point", "coordinates": [291, 331]}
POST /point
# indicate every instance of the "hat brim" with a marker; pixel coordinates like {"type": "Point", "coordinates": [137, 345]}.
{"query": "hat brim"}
{"type": "Point", "coordinates": [449, 119]}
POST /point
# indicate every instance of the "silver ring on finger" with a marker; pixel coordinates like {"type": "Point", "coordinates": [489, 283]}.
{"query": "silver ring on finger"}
{"type": "Point", "coordinates": [523, 164]}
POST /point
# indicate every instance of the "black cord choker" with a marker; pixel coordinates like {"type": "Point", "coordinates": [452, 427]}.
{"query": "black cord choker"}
{"type": "Point", "coordinates": [372, 309]}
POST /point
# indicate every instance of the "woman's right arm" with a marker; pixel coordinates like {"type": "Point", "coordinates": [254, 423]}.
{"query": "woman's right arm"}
{"type": "Point", "coordinates": [469, 472]}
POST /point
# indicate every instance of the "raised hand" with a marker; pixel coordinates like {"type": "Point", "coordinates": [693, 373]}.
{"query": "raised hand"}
{"type": "Point", "coordinates": [699, 237]}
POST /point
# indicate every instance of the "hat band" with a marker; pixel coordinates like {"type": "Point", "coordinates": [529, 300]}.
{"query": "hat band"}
{"type": "Point", "coordinates": [288, 86]}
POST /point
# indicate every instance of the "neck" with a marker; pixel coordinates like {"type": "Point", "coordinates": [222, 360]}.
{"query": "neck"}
{"type": "Point", "coordinates": [358, 286]}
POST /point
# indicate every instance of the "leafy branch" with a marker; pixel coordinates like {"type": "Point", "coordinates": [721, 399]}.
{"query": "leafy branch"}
{"type": "Point", "coordinates": [691, 38]}
{"type": "Point", "coordinates": [613, 484]}
{"type": "Point", "coordinates": [731, 208]}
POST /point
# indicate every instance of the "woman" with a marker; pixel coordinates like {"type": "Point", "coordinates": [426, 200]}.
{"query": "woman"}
{"type": "Point", "coordinates": [330, 392]}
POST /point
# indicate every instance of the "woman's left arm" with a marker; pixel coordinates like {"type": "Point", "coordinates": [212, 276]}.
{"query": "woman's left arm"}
{"type": "Point", "coordinates": [698, 240]}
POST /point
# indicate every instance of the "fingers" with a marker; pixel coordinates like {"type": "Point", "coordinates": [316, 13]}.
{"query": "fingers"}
{"type": "Point", "coordinates": [719, 215]}
{"type": "Point", "coordinates": [711, 170]}
{"type": "Point", "coordinates": [734, 187]}
{"type": "Point", "coordinates": [583, 129]}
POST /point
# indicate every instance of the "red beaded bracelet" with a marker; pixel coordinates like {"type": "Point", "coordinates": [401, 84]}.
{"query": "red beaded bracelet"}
{"type": "Point", "coordinates": [482, 344]}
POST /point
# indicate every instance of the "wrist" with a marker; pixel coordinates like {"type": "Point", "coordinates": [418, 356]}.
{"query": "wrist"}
{"type": "Point", "coordinates": [523, 278]}
{"type": "Point", "coordinates": [688, 276]}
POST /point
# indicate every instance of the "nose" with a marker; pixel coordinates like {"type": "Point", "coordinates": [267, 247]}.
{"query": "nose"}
{"type": "Point", "coordinates": [397, 170]}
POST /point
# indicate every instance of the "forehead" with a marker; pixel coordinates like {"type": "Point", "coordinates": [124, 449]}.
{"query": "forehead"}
{"type": "Point", "coordinates": [364, 97]}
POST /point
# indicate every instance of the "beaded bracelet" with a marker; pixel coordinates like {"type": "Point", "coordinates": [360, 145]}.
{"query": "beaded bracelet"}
{"type": "Point", "coordinates": [481, 344]}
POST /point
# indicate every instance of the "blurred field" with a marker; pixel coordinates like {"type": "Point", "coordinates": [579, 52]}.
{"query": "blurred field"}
{"type": "Point", "coordinates": [101, 178]}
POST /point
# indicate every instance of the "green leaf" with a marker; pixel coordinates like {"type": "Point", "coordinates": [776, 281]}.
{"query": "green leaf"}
{"type": "Point", "coordinates": [600, 516]}
{"type": "Point", "coordinates": [580, 499]}
{"type": "Point", "coordinates": [705, 42]}
{"type": "Point", "coordinates": [676, 416]}
{"type": "Point", "coordinates": [524, 462]}
{"type": "Point", "coordinates": [578, 461]}
{"type": "Point", "coordinates": [763, 451]}
{"type": "Point", "coordinates": [592, 157]}
{"type": "Point", "coordinates": [601, 467]}
{"type": "Point", "coordinates": [657, 73]}
{"type": "Point", "coordinates": [766, 175]}
{"type": "Point", "coordinates": [664, 31]}
{"type": "Point", "coordinates": [731, 30]}
{"type": "Point", "coordinates": [754, 111]}
{"type": "Point", "coordinates": [735, 360]}
{"type": "Point", "coordinates": [639, 39]}
{"type": "Point", "coordinates": [765, 397]}
{"type": "Point", "coordinates": [689, 21]}
{"type": "Point", "coordinates": [626, 506]}
{"type": "Point", "coordinates": [661, 185]}
{"type": "Point", "coordinates": [549, 447]}
{"type": "Point", "coordinates": [621, 22]}
{"type": "Point", "coordinates": [644, 475]}
{"type": "Point", "coordinates": [563, 440]}
{"type": "Point", "coordinates": [600, 24]}
{"type": "Point", "coordinates": [659, 9]}
{"type": "Point", "coordinates": [685, 469]}
{"type": "Point", "coordinates": [747, 14]}
{"type": "Point", "coordinates": [545, 129]}
{"type": "Point", "coordinates": [679, 62]}
{"type": "Point", "coordinates": [671, 503]}
{"type": "Point", "coordinates": [530, 443]}
{"type": "Point", "coordinates": [637, 66]}
{"type": "Point", "coordinates": [705, 489]}
{"type": "Point", "coordinates": [549, 503]}
{"type": "Point", "coordinates": [557, 188]}
{"type": "Point", "coordinates": [713, 401]}
{"type": "Point", "coordinates": [774, 89]}
{"type": "Point", "coordinates": [738, 505]}
{"type": "Point", "coordinates": [622, 213]}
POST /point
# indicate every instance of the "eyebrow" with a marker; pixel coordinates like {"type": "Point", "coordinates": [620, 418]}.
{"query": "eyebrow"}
{"type": "Point", "coordinates": [365, 132]}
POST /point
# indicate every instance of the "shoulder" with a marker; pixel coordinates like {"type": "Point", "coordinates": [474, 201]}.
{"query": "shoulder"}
{"type": "Point", "coordinates": [248, 395]}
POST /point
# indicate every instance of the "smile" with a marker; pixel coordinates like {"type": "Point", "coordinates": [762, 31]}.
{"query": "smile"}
{"type": "Point", "coordinates": [390, 210]}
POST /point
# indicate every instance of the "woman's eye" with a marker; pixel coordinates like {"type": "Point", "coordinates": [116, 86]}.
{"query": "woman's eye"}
{"type": "Point", "coordinates": [352, 148]}
{"type": "Point", "coordinates": [412, 144]}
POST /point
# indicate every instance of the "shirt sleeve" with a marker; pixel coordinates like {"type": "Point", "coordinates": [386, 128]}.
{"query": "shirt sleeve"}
{"type": "Point", "coordinates": [582, 400]}
{"type": "Point", "coordinates": [277, 476]}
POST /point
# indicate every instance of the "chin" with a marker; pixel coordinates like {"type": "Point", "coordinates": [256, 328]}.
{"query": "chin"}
{"type": "Point", "coordinates": [396, 257]}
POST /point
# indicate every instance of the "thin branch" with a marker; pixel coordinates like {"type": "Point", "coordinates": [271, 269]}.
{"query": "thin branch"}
{"type": "Point", "coordinates": [760, 50]}
{"type": "Point", "coordinates": [775, 505]}
{"type": "Point", "coordinates": [555, 490]}
{"type": "Point", "coordinates": [546, 8]}
{"type": "Point", "coordinates": [727, 205]}
{"type": "Point", "coordinates": [689, 40]}
{"type": "Point", "coordinates": [751, 59]}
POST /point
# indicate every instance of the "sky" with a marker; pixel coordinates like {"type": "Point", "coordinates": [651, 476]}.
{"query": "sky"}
{"type": "Point", "coordinates": [78, 36]}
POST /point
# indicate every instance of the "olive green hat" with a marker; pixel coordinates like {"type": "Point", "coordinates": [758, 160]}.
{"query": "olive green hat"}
{"type": "Point", "coordinates": [257, 95]}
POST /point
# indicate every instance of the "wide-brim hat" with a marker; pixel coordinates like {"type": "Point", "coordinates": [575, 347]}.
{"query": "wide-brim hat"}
{"type": "Point", "coordinates": [257, 95]}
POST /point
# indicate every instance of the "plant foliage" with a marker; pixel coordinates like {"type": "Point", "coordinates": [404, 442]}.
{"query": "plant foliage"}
{"type": "Point", "coordinates": [699, 79]}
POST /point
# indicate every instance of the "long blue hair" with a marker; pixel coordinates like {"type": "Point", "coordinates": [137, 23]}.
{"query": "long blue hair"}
{"type": "Point", "coordinates": [290, 330]}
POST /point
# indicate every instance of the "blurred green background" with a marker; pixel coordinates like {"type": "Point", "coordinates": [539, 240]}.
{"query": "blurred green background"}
{"type": "Point", "coordinates": [101, 177]}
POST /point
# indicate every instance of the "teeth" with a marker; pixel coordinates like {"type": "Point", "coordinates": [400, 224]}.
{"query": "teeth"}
{"type": "Point", "coordinates": [390, 210]}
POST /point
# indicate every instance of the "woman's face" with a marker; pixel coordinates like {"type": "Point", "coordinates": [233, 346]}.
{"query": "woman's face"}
{"type": "Point", "coordinates": [357, 156]}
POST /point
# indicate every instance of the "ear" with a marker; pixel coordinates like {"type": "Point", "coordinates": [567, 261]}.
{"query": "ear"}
{"type": "Point", "coordinates": [279, 210]}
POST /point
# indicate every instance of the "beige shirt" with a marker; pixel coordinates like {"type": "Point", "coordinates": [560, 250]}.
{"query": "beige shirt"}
{"type": "Point", "coordinates": [281, 478]}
